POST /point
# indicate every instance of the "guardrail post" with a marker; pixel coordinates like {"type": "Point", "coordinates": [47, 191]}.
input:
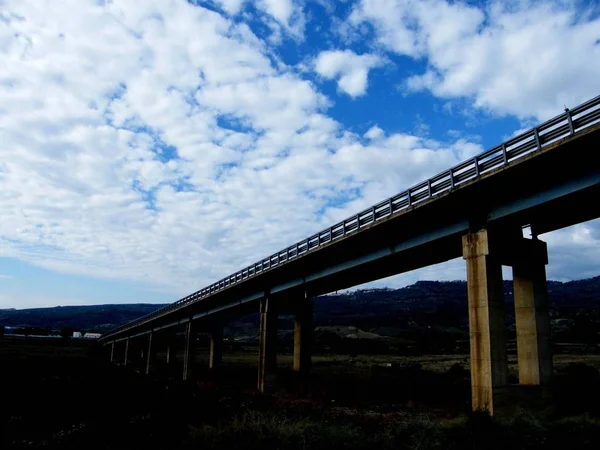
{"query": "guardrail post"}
{"type": "Point", "coordinates": [570, 121]}
{"type": "Point", "coordinates": [536, 135]}
{"type": "Point", "coordinates": [112, 351]}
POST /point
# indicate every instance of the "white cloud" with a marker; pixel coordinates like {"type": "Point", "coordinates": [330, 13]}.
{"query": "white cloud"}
{"type": "Point", "coordinates": [286, 14]}
{"type": "Point", "coordinates": [281, 10]}
{"type": "Point", "coordinates": [169, 145]}
{"type": "Point", "coordinates": [574, 251]}
{"type": "Point", "coordinates": [231, 6]}
{"type": "Point", "coordinates": [521, 58]}
{"type": "Point", "coordinates": [349, 69]}
{"type": "Point", "coordinates": [161, 143]}
{"type": "Point", "coordinates": [374, 133]}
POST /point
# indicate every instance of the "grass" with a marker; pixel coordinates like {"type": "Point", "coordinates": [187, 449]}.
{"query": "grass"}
{"type": "Point", "coordinates": [415, 432]}
{"type": "Point", "coordinates": [64, 395]}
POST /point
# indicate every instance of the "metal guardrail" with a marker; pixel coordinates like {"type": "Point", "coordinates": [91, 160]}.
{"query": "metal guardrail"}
{"type": "Point", "coordinates": [559, 127]}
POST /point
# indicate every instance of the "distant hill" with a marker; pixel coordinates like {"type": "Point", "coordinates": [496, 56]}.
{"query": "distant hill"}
{"type": "Point", "coordinates": [98, 318]}
{"type": "Point", "coordinates": [424, 307]}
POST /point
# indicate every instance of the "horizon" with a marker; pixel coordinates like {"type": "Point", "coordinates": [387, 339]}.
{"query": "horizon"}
{"type": "Point", "coordinates": [340, 292]}
{"type": "Point", "coordinates": [217, 132]}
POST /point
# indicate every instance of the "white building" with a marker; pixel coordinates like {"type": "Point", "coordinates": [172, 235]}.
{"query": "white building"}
{"type": "Point", "coordinates": [92, 336]}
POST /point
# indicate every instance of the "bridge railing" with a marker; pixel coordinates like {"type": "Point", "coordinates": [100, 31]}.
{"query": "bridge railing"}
{"type": "Point", "coordinates": [559, 127]}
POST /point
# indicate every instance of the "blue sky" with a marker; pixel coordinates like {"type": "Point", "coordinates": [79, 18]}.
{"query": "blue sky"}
{"type": "Point", "coordinates": [151, 148]}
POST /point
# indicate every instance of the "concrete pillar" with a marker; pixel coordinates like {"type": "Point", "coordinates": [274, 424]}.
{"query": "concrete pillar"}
{"type": "Point", "coordinates": [112, 351]}
{"type": "Point", "coordinates": [532, 315]}
{"type": "Point", "coordinates": [190, 351]}
{"type": "Point", "coordinates": [150, 354]}
{"type": "Point", "coordinates": [267, 354]}
{"type": "Point", "coordinates": [489, 365]}
{"type": "Point", "coordinates": [171, 358]}
{"type": "Point", "coordinates": [126, 351]}
{"type": "Point", "coordinates": [216, 348]}
{"type": "Point", "coordinates": [303, 331]}
{"type": "Point", "coordinates": [170, 353]}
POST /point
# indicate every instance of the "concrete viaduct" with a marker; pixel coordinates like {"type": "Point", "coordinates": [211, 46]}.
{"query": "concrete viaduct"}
{"type": "Point", "coordinates": [546, 178]}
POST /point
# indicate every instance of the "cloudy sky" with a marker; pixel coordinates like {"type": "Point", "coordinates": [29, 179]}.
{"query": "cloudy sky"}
{"type": "Point", "coordinates": [149, 148]}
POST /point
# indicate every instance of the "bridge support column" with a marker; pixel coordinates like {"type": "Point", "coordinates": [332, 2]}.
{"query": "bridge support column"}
{"type": "Point", "coordinates": [267, 354]}
{"type": "Point", "coordinates": [150, 354]}
{"type": "Point", "coordinates": [171, 356]}
{"type": "Point", "coordinates": [112, 351]}
{"type": "Point", "coordinates": [303, 331]}
{"type": "Point", "coordinates": [489, 365]}
{"type": "Point", "coordinates": [142, 357]}
{"type": "Point", "coordinates": [216, 348]}
{"type": "Point", "coordinates": [531, 314]}
{"type": "Point", "coordinates": [190, 351]}
{"type": "Point", "coordinates": [126, 357]}
{"type": "Point", "coordinates": [170, 353]}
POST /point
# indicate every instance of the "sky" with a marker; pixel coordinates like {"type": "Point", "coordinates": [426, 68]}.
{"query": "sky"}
{"type": "Point", "coordinates": [148, 149]}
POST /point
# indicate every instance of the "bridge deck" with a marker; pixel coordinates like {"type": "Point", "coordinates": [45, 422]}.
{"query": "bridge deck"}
{"type": "Point", "coordinates": [526, 180]}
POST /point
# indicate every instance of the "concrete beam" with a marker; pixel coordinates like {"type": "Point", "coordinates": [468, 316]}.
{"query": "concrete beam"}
{"type": "Point", "coordinates": [489, 364]}
{"type": "Point", "coordinates": [267, 354]}
{"type": "Point", "coordinates": [532, 316]}
{"type": "Point", "coordinates": [216, 348]}
{"type": "Point", "coordinates": [303, 334]}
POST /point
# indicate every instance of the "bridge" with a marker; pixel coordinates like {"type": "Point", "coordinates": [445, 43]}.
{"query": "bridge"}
{"type": "Point", "coordinates": [546, 178]}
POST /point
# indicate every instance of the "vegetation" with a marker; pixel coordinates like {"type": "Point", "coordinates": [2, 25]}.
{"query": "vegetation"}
{"type": "Point", "coordinates": [523, 430]}
{"type": "Point", "coordinates": [64, 394]}
{"type": "Point", "coordinates": [427, 317]}
{"type": "Point", "coordinates": [390, 372]}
